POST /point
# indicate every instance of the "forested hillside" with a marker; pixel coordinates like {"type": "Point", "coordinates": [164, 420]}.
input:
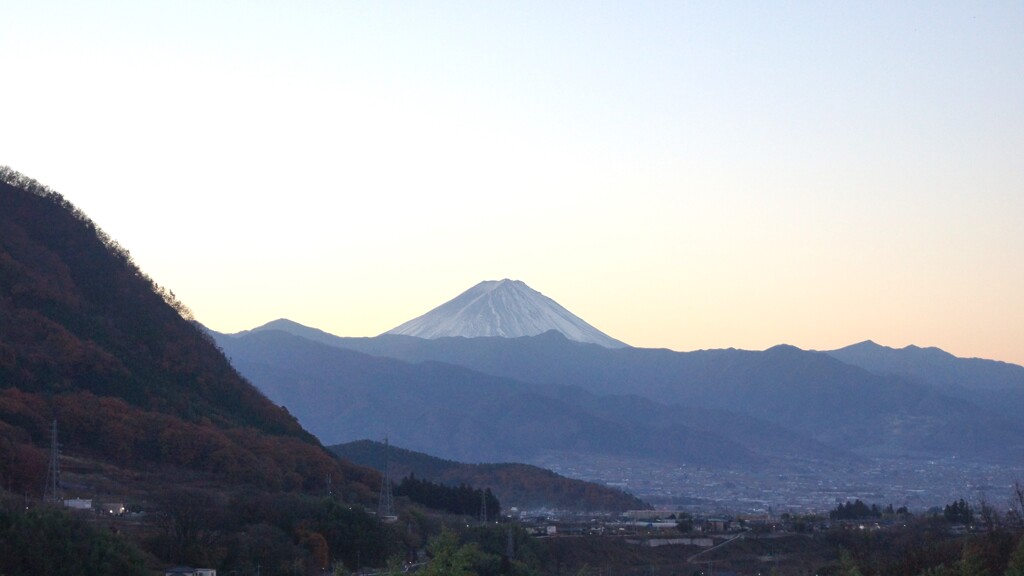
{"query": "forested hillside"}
{"type": "Point", "coordinates": [78, 314]}
{"type": "Point", "coordinates": [519, 485]}
{"type": "Point", "coordinates": [87, 338]}
{"type": "Point", "coordinates": [145, 404]}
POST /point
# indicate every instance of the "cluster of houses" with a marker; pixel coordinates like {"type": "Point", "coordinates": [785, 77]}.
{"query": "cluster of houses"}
{"type": "Point", "coordinates": [633, 523]}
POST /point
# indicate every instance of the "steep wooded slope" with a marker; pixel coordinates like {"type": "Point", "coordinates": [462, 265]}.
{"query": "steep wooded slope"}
{"type": "Point", "coordinates": [88, 339]}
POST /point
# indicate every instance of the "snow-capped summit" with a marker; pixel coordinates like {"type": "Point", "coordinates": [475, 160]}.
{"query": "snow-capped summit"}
{"type": "Point", "coordinates": [507, 308]}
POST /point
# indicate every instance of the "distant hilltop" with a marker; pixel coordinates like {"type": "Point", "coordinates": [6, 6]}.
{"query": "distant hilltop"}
{"type": "Point", "coordinates": [504, 308]}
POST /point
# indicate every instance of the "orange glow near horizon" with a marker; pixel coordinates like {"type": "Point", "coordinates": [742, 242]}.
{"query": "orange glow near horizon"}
{"type": "Point", "coordinates": [680, 175]}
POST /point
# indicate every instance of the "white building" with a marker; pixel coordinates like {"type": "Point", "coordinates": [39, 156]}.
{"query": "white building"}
{"type": "Point", "coordinates": [78, 504]}
{"type": "Point", "coordinates": [187, 571]}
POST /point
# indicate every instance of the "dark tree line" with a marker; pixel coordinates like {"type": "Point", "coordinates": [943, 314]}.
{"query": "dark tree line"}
{"type": "Point", "coordinates": [856, 510]}
{"type": "Point", "coordinates": [461, 499]}
{"type": "Point", "coordinates": [958, 512]}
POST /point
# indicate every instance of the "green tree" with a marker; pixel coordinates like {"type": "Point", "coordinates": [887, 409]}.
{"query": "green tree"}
{"type": "Point", "coordinates": [971, 562]}
{"type": "Point", "coordinates": [847, 565]}
{"type": "Point", "coordinates": [448, 558]}
{"type": "Point", "coordinates": [855, 511]}
{"type": "Point", "coordinates": [1015, 567]}
{"type": "Point", "coordinates": [52, 542]}
{"type": "Point", "coordinates": [958, 512]}
{"type": "Point", "coordinates": [684, 522]}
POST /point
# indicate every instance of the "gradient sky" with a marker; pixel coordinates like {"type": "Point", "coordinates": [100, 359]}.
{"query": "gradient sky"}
{"type": "Point", "coordinates": [679, 174]}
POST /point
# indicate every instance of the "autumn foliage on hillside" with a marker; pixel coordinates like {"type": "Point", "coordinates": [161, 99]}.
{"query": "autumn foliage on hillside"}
{"type": "Point", "coordinates": [111, 430]}
{"type": "Point", "coordinates": [88, 339]}
{"type": "Point", "coordinates": [77, 313]}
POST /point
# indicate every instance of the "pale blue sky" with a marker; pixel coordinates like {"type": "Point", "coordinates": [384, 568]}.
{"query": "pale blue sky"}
{"type": "Point", "coordinates": [680, 174]}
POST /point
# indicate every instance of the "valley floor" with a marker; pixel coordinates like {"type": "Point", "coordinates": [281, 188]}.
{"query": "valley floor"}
{"type": "Point", "coordinates": [800, 487]}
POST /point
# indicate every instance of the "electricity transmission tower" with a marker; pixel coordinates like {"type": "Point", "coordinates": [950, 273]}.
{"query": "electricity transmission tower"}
{"type": "Point", "coordinates": [51, 492]}
{"type": "Point", "coordinates": [483, 506]}
{"type": "Point", "coordinates": [386, 502]}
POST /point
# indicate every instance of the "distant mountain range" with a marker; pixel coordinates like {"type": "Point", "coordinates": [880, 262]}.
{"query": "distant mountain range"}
{"type": "Point", "coordinates": [490, 398]}
{"type": "Point", "coordinates": [993, 385]}
{"type": "Point", "coordinates": [452, 411]}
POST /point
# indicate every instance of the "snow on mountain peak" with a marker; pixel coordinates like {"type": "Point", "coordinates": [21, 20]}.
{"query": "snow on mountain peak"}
{"type": "Point", "coordinates": [506, 308]}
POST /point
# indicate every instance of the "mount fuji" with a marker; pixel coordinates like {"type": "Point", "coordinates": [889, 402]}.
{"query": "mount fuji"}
{"type": "Point", "coordinates": [505, 308]}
